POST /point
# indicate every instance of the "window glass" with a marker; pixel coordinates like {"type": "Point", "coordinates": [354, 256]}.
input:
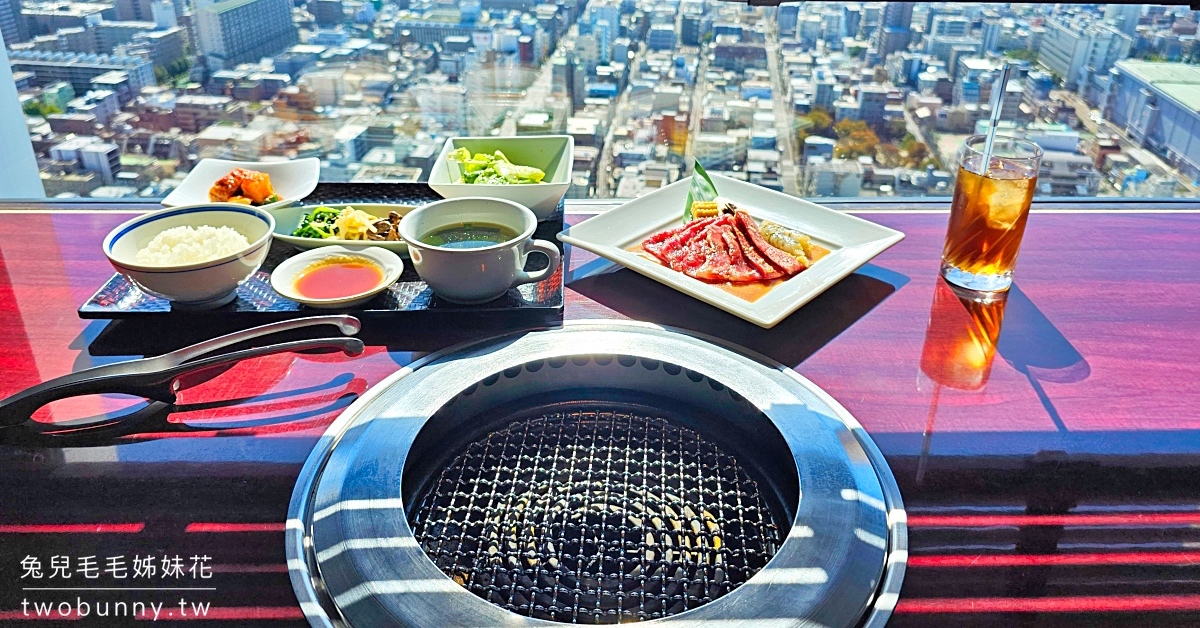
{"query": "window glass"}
{"type": "Point", "coordinates": [817, 99]}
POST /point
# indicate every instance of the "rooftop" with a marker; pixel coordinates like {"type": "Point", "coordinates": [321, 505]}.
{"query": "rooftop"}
{"type": "Point", "coordinates": [1187, 94]}
{"type": "Point", "coordinates": [219, 133]}
{"type": "Point", "coordinates": [227, 5]}
{"type": "Point", "coordinates": [1178, 81]}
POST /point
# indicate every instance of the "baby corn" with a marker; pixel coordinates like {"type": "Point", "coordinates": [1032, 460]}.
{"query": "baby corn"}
{"type": "Point", "coordinates": [704, 209]}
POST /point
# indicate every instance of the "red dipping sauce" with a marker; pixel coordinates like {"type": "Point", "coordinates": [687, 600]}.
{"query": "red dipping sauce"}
{"type": "Point", "coordinates": [338, 277]}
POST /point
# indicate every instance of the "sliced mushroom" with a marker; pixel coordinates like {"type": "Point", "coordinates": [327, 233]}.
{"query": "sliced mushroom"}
{"type": "Point", "coordinates": [382, 229]}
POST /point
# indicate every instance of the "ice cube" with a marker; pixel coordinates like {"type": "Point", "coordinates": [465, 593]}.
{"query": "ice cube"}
{"type": "Point", "coordinates": [1004, 201]}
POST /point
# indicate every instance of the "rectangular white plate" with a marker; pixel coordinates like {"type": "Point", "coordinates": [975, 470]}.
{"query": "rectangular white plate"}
{"type": "Point", "coordinates": [852, 242]}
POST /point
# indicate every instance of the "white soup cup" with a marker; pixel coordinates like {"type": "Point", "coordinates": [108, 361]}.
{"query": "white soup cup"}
{"type": "Point", "coordinates": [476, 275]}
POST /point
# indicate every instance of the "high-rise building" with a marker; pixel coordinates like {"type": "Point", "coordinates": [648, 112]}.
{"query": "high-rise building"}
{"type": "Point", "coordinates": [1157, 105]}
{"type": "Point", "coordinates": [895, 30]}
{"type": "Point", "coordinates": [852, 19]}
{"type": "Point", "coordinates": [165, 48]}
{"type": "Point", "coordinates": [689, 29]}
{"type": "Point", "coordinates": [13, 26]}
{"type": "Point", "coordinates": [569, 78]}
{"type": "Point", "coordinates": [101, 105]}
{"type": "Point", "coordinates": [990, 34]}
{"type": "Point", "coordinates": [109, 35]}
{"type": "Point", "coordinates": [948, 49]}
{"type": "Point", "coordinates": [134, 10]}
{"type": "Point", "coordinates": [788, 15]}
{"type": "Point", "coordinates": [836, 177]}
{"type": "Point", "coordinates": [1075, 50]}
{"type": "Point", "coordinates": [872, 15]}
{"type": "Point", "coordinates": [825, 89]}
{"type": "Point", "coordinates": [738, 56]}
{"type": "Point", "coordinates": [832, 29]}
{"type": "Point", "coordinates": [115, 82]}
{"type": "Point", "coordinates": [808, 30]}
{"type": "Point", "coordinates": [603, 31]}
{"type": "Point", "coordinates": [328, 12]}
{"type": "Point", "coordinates": [973, 80]}
{"type": "Point", "coordinates": [163, 13]}
{"type": "Point", "coordinates": [950, 26]}
{"type": "Point", "coordinates": [662, 37]}
{"type": "Point", "coordinates": [243, 31]}
{"type": "Point", "coordinates": [1124, 16]}
{"type": "Point", "coordinates": [872, 99]}
{"type": "Point", "coordinates": [80, 69]}
{"type": "Point", "coordinates": [606, 12]}
{"type": "Point", "coordinates": [92, 154]}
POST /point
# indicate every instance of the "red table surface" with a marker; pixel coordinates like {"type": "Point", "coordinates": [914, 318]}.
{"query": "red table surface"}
{"type": "Point", "coordinates": [1087, 418]}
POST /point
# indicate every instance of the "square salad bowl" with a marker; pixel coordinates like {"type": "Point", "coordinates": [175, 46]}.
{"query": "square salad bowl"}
{"type": "Point", "coordinates": [552, 154]}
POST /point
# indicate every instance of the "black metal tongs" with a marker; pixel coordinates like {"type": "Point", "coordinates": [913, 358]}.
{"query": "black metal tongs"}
{"type": "Point", "coordinates": [161, 378]}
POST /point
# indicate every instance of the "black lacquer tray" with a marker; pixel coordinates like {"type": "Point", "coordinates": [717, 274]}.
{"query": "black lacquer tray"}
{"type": "Point", "coordinates": [409, 297]}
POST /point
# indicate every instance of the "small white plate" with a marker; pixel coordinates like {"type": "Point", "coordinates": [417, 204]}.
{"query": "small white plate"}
{"type": "Point", "coordinates": [852, 242]}
{"type": "Point", "coordinates": [292, 180]}
{"type": "Point", "coordinates": [288, 218]}
{"type": "Point", "coordinates": [283, 278]}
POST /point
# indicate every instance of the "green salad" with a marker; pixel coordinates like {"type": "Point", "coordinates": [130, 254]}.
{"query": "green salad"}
{"type": "Point", "coordinates": [494, 169]}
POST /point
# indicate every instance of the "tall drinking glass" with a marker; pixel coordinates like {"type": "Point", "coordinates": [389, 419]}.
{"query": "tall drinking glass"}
{"type": "Point", "coordinates": [989, 211]}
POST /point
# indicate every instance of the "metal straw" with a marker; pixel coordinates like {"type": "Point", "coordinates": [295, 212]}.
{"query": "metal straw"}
{"type": "Point", "coordinates": [997, 97]}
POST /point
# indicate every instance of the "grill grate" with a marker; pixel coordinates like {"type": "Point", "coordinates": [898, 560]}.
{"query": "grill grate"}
{"type": "Point", "coordinates": [596, 516]}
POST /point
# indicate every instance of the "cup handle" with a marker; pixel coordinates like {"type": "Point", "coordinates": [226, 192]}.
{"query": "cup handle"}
{"type": "Point", "coordinates": [540, 246]}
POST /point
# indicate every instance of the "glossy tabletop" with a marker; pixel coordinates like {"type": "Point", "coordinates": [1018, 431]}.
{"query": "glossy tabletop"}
{"type": "Point", "coordinates": [1047, 445]}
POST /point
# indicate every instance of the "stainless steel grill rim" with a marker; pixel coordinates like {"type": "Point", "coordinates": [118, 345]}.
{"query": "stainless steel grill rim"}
{"type": "Point", "coordinates": [792, 403]}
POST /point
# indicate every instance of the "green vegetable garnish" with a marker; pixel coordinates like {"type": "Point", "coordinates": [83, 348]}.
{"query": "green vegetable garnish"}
{"type": "Point", "coordinates": [318, 224]}
{"type": "Point", "coordinates": [494, 169]}
{"type": "Point", "coordinates": [702, 189]}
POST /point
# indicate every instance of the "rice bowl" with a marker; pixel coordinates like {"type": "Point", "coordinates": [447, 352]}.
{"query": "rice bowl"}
{"type": "Point", "coordinates": [170, 269]}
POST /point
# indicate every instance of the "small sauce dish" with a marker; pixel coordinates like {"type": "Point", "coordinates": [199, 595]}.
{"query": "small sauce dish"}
{"type": "Point", "coordinates": [337, 277]}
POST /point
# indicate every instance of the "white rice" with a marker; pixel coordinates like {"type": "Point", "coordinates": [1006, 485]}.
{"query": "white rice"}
{"type": "Point", "coordinates": [178, 246]}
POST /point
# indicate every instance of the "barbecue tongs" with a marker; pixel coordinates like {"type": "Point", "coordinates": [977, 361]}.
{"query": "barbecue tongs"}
{"type": "Point", "coordinates": [160, 378]}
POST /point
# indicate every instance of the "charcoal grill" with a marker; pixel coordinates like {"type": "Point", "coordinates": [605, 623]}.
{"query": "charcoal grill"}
{"type": "Point", "coordinates": [599, 473]}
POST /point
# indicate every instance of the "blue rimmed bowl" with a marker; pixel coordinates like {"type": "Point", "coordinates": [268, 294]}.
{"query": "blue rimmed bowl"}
{"type": "Point", "coordinates": [202, 285]}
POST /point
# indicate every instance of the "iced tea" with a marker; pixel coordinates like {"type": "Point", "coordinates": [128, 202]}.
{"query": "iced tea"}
{"type": "Point", "coordinates": [988, 213]}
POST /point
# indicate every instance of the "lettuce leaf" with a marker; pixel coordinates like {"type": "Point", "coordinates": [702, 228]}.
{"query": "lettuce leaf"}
{"type": "Point", "coordinates": [494, 169]}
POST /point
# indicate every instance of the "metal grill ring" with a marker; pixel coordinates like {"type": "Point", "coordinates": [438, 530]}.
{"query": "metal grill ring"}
{"type": "Point", "coordinates": [596, 516]}
{"type": "Point", "coordinates": [620, 472]}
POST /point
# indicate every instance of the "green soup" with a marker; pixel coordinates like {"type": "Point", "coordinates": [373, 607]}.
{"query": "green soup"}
{"type": "Point", "coordinates": [468, 235]}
